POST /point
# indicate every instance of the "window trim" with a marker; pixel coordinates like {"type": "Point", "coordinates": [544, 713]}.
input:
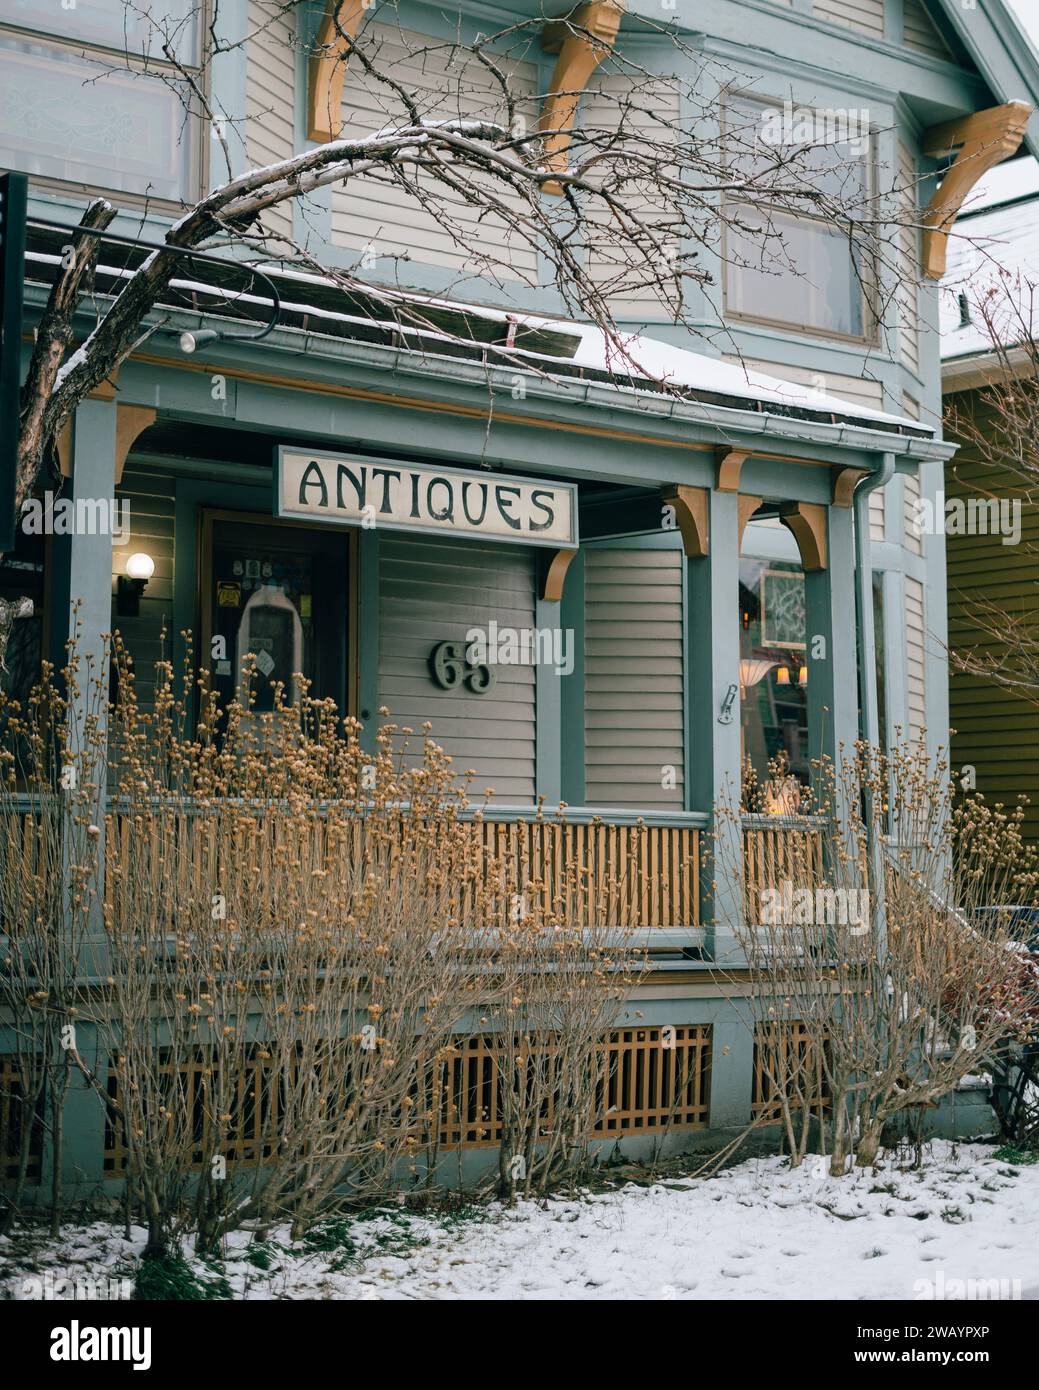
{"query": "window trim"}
{"type": "Point", "coordinates": [870, 336]}
{"type": "Point", "coordinates": [199, 72]}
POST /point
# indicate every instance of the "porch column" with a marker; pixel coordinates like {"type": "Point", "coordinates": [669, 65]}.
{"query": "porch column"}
{"type": "Point", "coordinates": [713, 696]}
{"type": "Point", "coordinates": [831, 648]}
{"type": "Point", "coordinates": [81, 609]}
{"type": "Point", "coordinates": [82, 592]}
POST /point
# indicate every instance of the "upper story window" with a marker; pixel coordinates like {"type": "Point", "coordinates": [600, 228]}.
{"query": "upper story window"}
{"type": "Point", "coordinates": [804, 265]}
{"type": "Point", "coordinates": [89, 99]}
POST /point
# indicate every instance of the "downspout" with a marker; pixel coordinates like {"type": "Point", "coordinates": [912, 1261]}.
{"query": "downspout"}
{"type": "Point", "coordinates": [869, 718]}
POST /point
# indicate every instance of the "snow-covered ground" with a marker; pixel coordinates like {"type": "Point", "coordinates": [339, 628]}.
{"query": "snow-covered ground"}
{"type": "Point", "coordinates": [756, 1231]}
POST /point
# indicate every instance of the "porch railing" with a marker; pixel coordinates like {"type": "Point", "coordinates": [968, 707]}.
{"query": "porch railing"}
{"type": "Point", "coordinates": [779, 850]}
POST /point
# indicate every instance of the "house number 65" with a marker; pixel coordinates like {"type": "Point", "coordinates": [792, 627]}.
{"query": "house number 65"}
{"type": "Point", "coordinates": [449, 668]}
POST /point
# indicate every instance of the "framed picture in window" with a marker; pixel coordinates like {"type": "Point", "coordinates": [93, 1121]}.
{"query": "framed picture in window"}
{"type": "Point", "coordinates": [783, 609]}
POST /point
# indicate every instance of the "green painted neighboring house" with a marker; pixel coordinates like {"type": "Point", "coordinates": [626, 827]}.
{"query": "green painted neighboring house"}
{"type": "Point", "coordinates": [993, 517]}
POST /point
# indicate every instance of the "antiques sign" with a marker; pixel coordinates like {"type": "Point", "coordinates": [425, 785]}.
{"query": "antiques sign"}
{"type": "Point", "coordinates": [372, 493]}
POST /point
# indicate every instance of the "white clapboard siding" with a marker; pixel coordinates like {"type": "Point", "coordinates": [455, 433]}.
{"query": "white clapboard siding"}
{"type": "Point", "coordinates": [916, 692]}
{"type": "Point", "coordinates": [877, 514]}
{"type": "Point", "coordinates": [913, 537]}
{"type": "Point", "coordinates": [908, 261]}
{"type": "Point", "coordinates": [151, 499]}
{"type": "Point", "coordinates": [647, 107]}
{"type": "Point", "coordinates": [270, 100]}
{"type": "Point", "coordinates": [856, 390]}
{"type": "Point", "coordinates": [920, 32]}
{"type": "Point", "coordinates": [434, 590]}
{"type": "Point", "coordinates": [375, 215]}
{"type": "Point", "coordinates": [867, 16]}
{"type": "Point", "coordinates": [633, 677]}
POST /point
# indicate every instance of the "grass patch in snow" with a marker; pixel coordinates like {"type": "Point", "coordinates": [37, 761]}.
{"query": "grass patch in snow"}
{"type": "Point", "coordinates": [170, 1278]}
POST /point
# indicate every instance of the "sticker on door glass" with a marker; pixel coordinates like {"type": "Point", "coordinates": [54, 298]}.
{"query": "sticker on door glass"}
{"type": "Point", "coordinates": [228, 593]}
{"type": "Point", "coordinates": [264, 663]}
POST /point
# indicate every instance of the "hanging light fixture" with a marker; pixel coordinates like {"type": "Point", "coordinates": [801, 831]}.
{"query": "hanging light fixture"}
{"type": "Point", "coordinates": [802, 676]}
{"type": "Point", "coordinates": [783, 675]}
{"type": "Point", "coordinates": [753, 669]}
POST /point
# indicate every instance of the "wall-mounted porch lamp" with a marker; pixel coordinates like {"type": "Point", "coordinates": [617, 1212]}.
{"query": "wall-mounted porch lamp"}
{"type": "Point", "coordinates": [131, 585]}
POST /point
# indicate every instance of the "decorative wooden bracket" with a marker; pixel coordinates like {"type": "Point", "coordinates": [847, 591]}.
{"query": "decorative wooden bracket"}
{"type": "Point", "coordinates": [327, 68]}
{"type": "Point", "coordinates": [130, 421]}
{"type": "Point", "coordinates": [730, 462]}
{"type": "Point", "coordinates": [555, 575]}
{"type": "Point", "coordinates": [579, 55]}
{"type": "Point", "coordinates": [747, 506]}
{"type": "Point", "coordinates": [690, 504]}
{"type": "Point", "coordinates": [977, 142]}
{"type": "Point", "coordinates": [845, 481]}
{"type": "Point", "coordinates": [806, 522]}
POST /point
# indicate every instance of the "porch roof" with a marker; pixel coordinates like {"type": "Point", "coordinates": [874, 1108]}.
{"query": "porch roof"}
{"type": "Point", "coordinates": [421, 331]}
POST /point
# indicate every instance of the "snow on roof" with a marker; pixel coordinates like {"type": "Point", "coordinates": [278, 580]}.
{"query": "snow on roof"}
{"type": "Point", "coordinates": [679, 367]}
{"type": "Point", "coordinates": [993, 260]}
{"type": "Point", "coordinates": [657, 360]}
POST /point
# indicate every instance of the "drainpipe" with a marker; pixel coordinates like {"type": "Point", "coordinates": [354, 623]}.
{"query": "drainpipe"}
{"type": "Point", "coordinates": [869, 719]}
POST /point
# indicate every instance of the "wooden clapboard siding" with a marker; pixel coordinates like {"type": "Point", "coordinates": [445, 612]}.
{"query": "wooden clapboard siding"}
{"type": "Point", "coordinates": [857, 390]}
{"type": "Point", "coordinates": [633, 677]}
{"type": "Point", "coordinates": [375, 214]}
{"type": "Point", "coordinates": [151, 498]}
{"type": "Point", "coordinates": [270, 101]}
{"type": "Point", "coordinates": [867, 16]}
{"type": "Point", "coordinates": [907, 298]}
{"type": "Point", "coordinates": [915, 620]}
{"type": "Point", "coordinates": [912, 534]}
{"type": "Point", "coordinates": [650, 107]}
{"type": "Point", "coordinates": [919, 31]}
{"type": "Point", "coordinates": [877, 514]}
{"type": "Point", "coordinates": [433, 590]}
{"type": "Point", "coordinates": [997, 731]}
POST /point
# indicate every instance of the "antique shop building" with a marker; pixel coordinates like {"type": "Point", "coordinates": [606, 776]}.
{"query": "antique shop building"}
{"type": "Point", "coordinates": [688, 578]}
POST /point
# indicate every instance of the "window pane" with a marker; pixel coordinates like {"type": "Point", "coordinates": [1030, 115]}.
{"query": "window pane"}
{"type": "Point", "coordinates": [829, 150]}
{"type": "Point", "coordinates": [125, 133]}
{"type": "Point", "coordinates": [802, 274]}
{"type": "Point", "coordinates": [113, 24]}
{"type": "Point", "coordinates": [773, 695]}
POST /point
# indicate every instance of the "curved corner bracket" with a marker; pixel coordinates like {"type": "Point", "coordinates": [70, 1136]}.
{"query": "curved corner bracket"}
{"type": "Point", "coordinates": [327, 68]}
{"type": "Point", "coordinates": [130, 421]}
{"type": "Point", "coordinates": [806, 522]}
{"type": "Point", "coordinates": [580, 53]}
{"type": "Point", "coordinates": [555, 575]}
{"type": "Point", "coordinates": [730, 462]}
{"type": "Point", "coordinates": [845, 480]}
{"type": "Point", "coordinates": [690, 504]}
{"type": "Point", "coordinates": [977, 143]}
{"type": "Point", "coordinates": [747, 506]}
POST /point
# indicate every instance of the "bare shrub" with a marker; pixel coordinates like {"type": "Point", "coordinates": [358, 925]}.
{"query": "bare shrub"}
{"type": "Point", "coordinates": [871, 933]}
{"type": "Point", "coordinates": [51, 766]}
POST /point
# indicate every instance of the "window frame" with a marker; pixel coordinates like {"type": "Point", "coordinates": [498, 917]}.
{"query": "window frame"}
{"type": "Point", "coordinates": [868, 286]}
{"type": "Point", "coordinates": [139, 64]}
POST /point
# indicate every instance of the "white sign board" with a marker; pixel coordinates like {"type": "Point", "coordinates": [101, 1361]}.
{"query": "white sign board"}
{"type": "Point", "coordinates": [374, 493]}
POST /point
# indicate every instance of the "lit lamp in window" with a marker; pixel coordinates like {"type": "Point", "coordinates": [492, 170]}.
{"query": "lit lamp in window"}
{"type": "Point", "coordinates": [752, 670]}
{"type": "Point", "coordinates": [131, 585]}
